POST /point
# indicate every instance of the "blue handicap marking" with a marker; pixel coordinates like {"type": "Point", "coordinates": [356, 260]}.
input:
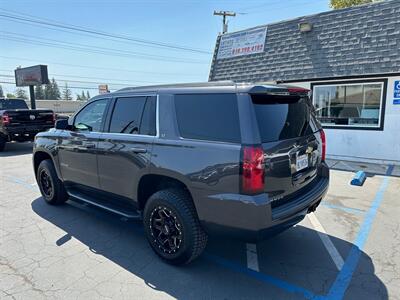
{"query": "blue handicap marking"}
{"type": "Point", "coordinates": [396, 95]}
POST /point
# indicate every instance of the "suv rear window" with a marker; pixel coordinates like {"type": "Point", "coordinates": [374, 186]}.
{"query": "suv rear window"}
{"type": "Point", "coordinates": [212, 117]}
{"type": "Point", "coordinates": [283, 117]}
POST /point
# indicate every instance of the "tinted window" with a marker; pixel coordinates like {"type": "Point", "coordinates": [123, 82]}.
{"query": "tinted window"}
{"type": "Point", "coordinates": [211, 117]}
{"type": "Point", "coordinates": [128, 113]}
{"type": "Point", "coordinates": [13, 104]}
{"type": "Point", "coordinates": [283, 117]}
{"type": "Point", "coordinates": [148, 124]}
{"type": "Point", "coordinates": [90, 118]}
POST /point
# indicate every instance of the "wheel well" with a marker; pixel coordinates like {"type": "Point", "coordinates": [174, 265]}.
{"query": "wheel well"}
{"type": "Point", "coordinates": [149, 184]}
{"type": "Point", "coordinates": [38, 158]}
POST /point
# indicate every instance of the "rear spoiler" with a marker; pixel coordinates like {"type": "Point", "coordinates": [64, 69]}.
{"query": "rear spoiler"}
{"type": "Point", "coordinates": [279, 91]}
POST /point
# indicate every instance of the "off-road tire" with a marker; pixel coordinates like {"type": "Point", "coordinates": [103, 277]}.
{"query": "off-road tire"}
{"type": "Point", "coordinates": [58, 195]}
{"type": "Point", "coordinates": [179, 203]}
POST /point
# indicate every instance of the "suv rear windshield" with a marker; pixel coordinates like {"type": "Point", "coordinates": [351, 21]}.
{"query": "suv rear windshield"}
{"type": "Point", "coordinates": [12, 104]}
{"type": "Point", "coordinates": [212, 117]}
{"type": "Point", "coordinates": [283, 117]}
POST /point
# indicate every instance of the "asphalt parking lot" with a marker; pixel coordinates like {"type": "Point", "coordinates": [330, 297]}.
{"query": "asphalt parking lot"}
{"type": "Point", "coordinates": [348, 249]}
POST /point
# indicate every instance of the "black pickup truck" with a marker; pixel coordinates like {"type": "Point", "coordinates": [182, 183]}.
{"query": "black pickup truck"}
{"type": "Point", "coordinates": [19, 123]}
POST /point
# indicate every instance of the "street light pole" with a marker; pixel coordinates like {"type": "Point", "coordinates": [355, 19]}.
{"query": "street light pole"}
{"type": "Point", "coordinates": [224, 14]}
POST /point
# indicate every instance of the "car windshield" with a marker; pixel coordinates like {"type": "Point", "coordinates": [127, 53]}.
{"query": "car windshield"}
{"type": "Point", "coordinates": [12, 104]}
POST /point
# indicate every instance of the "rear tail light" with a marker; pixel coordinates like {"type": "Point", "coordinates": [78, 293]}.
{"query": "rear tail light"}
{"type": "Point", "coordinates": [253, 170]}
{"type": "Point", "coordinates": [297, 90]}
{"type": "Point", "coordinates": [323, 142]}
{"type": "Point", "coordinates": [5, 119]}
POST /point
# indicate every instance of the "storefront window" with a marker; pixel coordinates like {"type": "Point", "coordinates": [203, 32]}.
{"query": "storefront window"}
{"type": "Point", "coordinates": [349, 105]}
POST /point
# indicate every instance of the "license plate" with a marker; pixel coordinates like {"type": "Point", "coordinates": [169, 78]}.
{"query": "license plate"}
{"type": "Point", "coordinates": [301, 162]}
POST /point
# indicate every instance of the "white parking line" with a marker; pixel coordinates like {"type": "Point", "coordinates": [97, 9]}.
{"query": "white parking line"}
{"type": "Point", "coordinates": [335, 255]}
{"type": "Point", "coordinates": [252, 257]}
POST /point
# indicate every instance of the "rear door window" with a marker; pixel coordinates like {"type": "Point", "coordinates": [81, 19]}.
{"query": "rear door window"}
{"type": "Point", "coordinates": [212, 117]}
{"type": "Point", "coordinates": [283, 117]}
{"type": "Point", "coordinates": [134, 115]}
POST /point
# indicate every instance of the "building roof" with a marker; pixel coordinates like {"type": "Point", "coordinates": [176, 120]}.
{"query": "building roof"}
{"type": "Point", "coordinates": [359, 40]}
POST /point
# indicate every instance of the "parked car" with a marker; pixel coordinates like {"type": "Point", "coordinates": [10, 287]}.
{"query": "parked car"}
{"type": "Point", "coordinates": [190, 160]}
{"type": "Point", "coordinates": [19, 123]}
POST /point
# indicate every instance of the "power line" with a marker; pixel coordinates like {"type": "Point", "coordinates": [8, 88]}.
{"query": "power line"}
{"type": "Point", "coordinates": [112, 52]}
{"type": "Point", "coordinates": [37, 20]}
{"type": "Point", "coordinates": [87, 77]}
{"type": "Point", "coordinates": [70, 87]}
{"type": "Point", "coordinates": [81, 81]}
{"type": "Point", "coordinates": [128, 52]}
{"type": "Point", "coordinates": [95, 67]}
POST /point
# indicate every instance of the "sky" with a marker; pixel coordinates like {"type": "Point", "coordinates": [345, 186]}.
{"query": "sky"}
{"type": "Point", "coordinates": [85, 60]}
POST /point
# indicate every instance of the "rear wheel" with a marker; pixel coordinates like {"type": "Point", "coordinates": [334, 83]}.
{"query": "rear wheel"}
{"type": "Point", "coordinates": [50, 185]}
{"type": "Point", "coordinates": [172, 227]}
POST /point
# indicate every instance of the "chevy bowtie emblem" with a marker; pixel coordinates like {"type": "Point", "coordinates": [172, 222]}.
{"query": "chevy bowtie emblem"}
{"type": "Point", "coordinates": [32, 117]}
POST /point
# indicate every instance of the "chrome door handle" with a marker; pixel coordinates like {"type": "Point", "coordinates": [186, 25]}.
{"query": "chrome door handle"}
{"type": "Point", "coordinates": [90, 146]}
{"type": "Point", "coordinates": [138, 150]}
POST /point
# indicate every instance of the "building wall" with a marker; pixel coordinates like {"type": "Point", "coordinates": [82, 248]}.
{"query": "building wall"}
{"type": "Point", "coordinates": [367, 145]}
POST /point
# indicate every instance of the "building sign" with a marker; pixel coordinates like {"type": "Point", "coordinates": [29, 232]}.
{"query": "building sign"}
{"type": "Point", "coordinates": [35, 75]}
{"type": "Point", "coordinates": [396, 99]}
{"type": "Point", "coordinates": [242, 43]}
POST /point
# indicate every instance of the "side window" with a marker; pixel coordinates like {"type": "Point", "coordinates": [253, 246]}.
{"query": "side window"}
{"type": "Point", "coordinates": [127, 115]}
{"type": "Point", "coordinates": [212, 117]}
{"type": "Point", "coordinates": [148, 124]}
{"type": "Point", "coordinates": [90, 118]}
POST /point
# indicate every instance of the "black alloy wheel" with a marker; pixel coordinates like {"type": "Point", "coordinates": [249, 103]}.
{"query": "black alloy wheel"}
{"type": "Point", "coordinates": [166, 229]}
{"type": "Point", "coordinates": [46, 184]}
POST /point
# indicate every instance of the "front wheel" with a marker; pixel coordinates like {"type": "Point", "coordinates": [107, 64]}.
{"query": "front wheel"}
{"type": "Point", "coordinates": [51, 187]}
{"type": "Point", "coordinates": [172, 226]}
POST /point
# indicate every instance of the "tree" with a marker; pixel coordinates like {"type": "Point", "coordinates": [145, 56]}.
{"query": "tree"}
{"type": "Point", "coordinates": [87, 95]}
{"type": "Point", "coordinates": [336, 4]}
{"type": "Point", "coordinates": [20, 93]}
{"type": "Point", "coordinates": [51, 91]}
{"type": "Point", "coordinates": [56, 90]}
{"type": "Point", "coordinates": [67, 93]}
{"type": "Point", "coordinates": [10, 95]}
{"type": "Point", "coordinates": [1, 92]}
{"type": "Point", "coordinates": [39, 92]}
{"type": "Point", "coordinates": [83, 96]}
{"type": "Point", "coordinates": [48, 91]}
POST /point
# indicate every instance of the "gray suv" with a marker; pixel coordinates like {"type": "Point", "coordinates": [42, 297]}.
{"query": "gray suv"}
{"type": "Point", "coordinates": [246, 160]}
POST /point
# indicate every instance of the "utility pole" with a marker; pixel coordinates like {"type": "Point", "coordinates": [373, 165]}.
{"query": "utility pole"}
{"type": "Point", "coordinates": [224, 14]}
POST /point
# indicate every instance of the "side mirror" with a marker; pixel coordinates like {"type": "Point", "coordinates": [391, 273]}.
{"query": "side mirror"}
{"type": "Point", "coordinates": [62, 124]}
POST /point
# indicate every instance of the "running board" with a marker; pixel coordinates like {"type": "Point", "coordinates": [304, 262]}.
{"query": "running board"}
{"type": "Point", "coordinates": [129, 213]}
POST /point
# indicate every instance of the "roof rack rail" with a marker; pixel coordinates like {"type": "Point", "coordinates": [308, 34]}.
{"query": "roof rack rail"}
{"type": "Point", "coordinates": [181, 85]}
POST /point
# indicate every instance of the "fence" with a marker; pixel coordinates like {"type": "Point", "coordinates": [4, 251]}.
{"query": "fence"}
{"type": "Point", "coordinates": [58, 106]}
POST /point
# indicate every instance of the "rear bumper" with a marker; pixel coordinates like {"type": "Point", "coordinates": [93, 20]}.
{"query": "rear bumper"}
{"type": "Point", "coordinates": [25, 132]}
{"type": "Point", "coordinates": [253, 218]}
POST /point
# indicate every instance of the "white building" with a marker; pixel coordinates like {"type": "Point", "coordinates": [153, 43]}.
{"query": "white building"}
{"type": "Point", "coordinates": [348, 58]}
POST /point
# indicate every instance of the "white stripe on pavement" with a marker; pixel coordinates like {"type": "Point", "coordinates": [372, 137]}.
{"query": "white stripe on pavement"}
{"type": "Point", "coordinates": [335, 255]}
{"type": "Point", "coordinates": [252, 257]}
